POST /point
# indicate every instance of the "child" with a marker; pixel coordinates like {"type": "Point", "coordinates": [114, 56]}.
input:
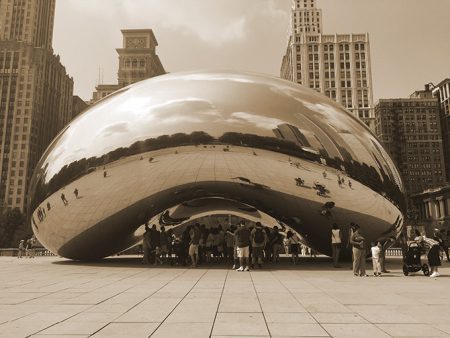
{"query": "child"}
{"type": "Point", "coordinates": [376, 250]}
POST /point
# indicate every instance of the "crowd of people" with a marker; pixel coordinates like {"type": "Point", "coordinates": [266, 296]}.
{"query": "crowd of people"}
{"type": "Point", "coordinates": [243, 246]}
{"type": "Point", "coordinates": [27, 248]}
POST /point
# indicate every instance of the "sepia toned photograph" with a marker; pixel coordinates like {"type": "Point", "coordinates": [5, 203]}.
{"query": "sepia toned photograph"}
{"type": "Point", "coordinates": [224, 168]}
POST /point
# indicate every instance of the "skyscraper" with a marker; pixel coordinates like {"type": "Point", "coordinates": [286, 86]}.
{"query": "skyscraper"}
{"type": "Point", "coordinates": [411, 132]}
{"type": "Point", "coordinates": [442, 93]}
{"type": "Point", "coordinates": [35, 94]}
{"type": "Point", "coordinates": [336, 65]}
{"type": "Point", "coordinates": [137, 61]}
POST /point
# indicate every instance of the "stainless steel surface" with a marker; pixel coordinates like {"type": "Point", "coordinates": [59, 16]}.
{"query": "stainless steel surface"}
{"type": "Point", "coordinates": [188, 144]}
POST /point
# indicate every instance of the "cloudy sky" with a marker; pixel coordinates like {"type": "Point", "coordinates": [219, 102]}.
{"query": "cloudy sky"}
{"type": "Point", "coordinates": [409, 38]}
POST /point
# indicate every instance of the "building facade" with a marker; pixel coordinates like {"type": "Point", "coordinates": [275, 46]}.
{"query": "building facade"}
{"type": "Point", "coordinates": [336, 65]}
{"type": "Point", "coordinates": [410, 131]}
{"type": "Point", "coordinates": [433, 209]}
{"type": "Point", "coordinates": [442, 93]}
{"type": "Point", "coordinates": [35, 94]}
{"type": "Point", "coordinates": [137, 61]}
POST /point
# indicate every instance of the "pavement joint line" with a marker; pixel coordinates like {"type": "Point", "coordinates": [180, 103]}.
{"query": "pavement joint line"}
{"type": "Point", "coordinates": [187, 293]}
{"type": "Point", "coordinates": [310, 313]}
{"type": "Point", "coordinates": [259, 302]}
{"type": "Point", "coordinates": [218, 304]}
{"type": "Point", "coordinates": [94, 305]}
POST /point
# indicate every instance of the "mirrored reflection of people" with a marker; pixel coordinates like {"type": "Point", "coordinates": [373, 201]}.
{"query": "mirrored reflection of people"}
{"type": "Point", "coordinates": [433, 249]}
{"type": "Point", "coordinates": [146, 245]}
{"type": "Point", "coordinates": [105, 173]}
{"type": "Point", "coordinates": [48, 206]}
{"type": "Point", "coordinates": [242, 235]}
{"type": "Point", "coordinates": [336, 242]}
{"type": "Point", "coordinates": [357, 242]}
{"type": "Point", "coordinates": [75, 192]}
{"type": "Point", "coordinates": [194, 235]}
{"type": "Point", "coordinates": [64, 199]}
{"type": "Point", "coordinates": [21, 249]}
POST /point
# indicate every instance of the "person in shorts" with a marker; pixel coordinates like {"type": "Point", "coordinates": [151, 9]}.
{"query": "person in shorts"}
{"type": "Point", "coordinates": [242, 236]}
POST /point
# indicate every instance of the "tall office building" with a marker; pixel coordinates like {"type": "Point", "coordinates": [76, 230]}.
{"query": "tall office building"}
{"type": "Point", "coordinates": [35, 94]}
{"type": "Point", "coordinates": [442, 93]}
{"type": "Point", "coordinates": [410, 130]}
{"type": "Point", "coordinates": [337, 65]}
{"type": "Point", "coordinates": [137, 61]}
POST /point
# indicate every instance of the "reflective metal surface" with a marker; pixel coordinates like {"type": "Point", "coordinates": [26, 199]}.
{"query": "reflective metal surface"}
{"type": "Point", "coordinates": [178, 146]}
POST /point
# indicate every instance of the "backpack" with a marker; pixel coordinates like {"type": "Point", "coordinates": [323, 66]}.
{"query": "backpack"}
{"type": "Point", "coordinates": [259, 236]}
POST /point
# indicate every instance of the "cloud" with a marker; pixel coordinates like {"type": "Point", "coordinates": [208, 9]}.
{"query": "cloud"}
{"type": "Point", "coordinates": [116, 128]}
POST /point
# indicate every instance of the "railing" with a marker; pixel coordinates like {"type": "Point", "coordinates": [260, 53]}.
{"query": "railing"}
{"type": "Point", "coordinates": [15, 251]}
{"type": "Point", "coordinates": [394, 252]}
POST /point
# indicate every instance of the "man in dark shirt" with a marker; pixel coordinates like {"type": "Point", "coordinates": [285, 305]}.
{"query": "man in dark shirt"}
{"type": "Point", "coordinates": [242, 237]}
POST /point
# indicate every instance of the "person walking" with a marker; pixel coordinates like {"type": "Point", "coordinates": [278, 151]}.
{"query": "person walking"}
{"type": "Point", "coordinates": [242, 235]}
{"type": "Point", "coordinates": [63, 199]}
{"type": "Point", "coordinates": [359, 252]}
{"type": "Point", "coordinates": [336, 242]}
{"type": "Point", "coordinates": [75, 192]}
{"type": "Point", "coordinates": [258, 239]}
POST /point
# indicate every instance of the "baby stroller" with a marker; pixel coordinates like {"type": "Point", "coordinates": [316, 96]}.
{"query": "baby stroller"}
{"type": "Point", "coordinates": [411, 262]}
{"type": "Point", "coordinates": [321, 189]}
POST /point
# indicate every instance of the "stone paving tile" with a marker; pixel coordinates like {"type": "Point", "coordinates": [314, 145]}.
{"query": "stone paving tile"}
{"type": "Point", "coordinates": [185, 330]}
{"type": "Point", "coordinates": [240, 324]}
{"type": "Point", "coordinates": [120, 330]}
{"type": "Point", "coordinates": [285, 317]}
{"type": "Point", "coordinates": [411, 330]}
{"type": "Point", "coordinates": [354, 330]}
{"type": "Point", "coordinates": [296, 330]}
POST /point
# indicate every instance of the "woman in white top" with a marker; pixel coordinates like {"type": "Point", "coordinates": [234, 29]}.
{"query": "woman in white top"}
{"type": "Point", "coordinates": [336, 241]}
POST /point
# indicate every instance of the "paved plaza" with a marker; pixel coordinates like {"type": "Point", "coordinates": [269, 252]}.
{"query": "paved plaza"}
{"type": "Point", "coordinates": [118, 297]}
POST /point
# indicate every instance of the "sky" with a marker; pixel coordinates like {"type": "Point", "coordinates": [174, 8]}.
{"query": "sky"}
{"type": "Point", "coordinates": [409, 39]}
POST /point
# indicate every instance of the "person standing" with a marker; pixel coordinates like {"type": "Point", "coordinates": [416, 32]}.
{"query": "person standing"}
{"type": "Point", "coordinates": [242, 236]}
{"type": "Point", "coordinates": [75, 192]}
{"type": "Point", "coordinates": [194, 234]}
{"type": "Point", "coordinates": [376, 250]}
{"type": "Point", "coordinates": [293, 245]}
{"type": "Point", "coordinates": [146, 245]}
{"type": "Point", "coordinates": [276, 241]}
{"type": "Point", "coordinates": [359, 252]}
{"type": "Point", "coordinates": [21, 249]}
{"type": "Point", "coordinates": [336, 242]}
{"type": "Point", "coordinates": [258, 239]}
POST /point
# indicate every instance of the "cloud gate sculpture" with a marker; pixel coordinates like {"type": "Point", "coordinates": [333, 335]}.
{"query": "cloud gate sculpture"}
{"type": "Point", "coordinates": [173, 148]}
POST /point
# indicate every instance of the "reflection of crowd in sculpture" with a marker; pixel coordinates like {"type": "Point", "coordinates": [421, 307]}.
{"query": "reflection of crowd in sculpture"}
{"type": "Point", "coordinates": [241, 245]}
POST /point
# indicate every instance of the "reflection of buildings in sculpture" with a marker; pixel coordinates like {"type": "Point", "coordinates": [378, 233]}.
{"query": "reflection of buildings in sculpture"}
{"type": "Point", "coordinates": [291, 133]}
{"type": "Point", "coordinates": [336, 65]}
{"type": "Point", "coordinates": [433, 208]}
{"type": "Point", "coordinates": [35, 92]}
{"type": "Point", "coordinates": [137, 61]}
{"type": "Point", "coordinates": [442, 92]}
{"type": "Point", "coordinates": [410, 131]}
